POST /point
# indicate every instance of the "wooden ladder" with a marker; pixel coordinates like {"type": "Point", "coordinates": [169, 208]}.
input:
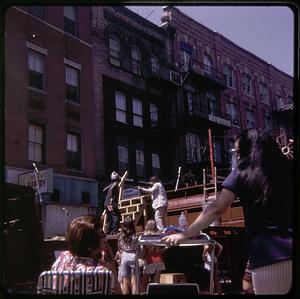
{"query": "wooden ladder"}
{"type": "Point", "coordinates": [209, 186]}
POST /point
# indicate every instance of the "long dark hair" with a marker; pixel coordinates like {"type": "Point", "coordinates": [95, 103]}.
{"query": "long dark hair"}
{"type": "Point", "coordinates": [264, 173]}
{"type": "Point", "coordinates": [127, 230]}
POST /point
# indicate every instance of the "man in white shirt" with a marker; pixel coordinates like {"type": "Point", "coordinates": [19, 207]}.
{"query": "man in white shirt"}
{"type": "Point", "coordinates": [159, 201]}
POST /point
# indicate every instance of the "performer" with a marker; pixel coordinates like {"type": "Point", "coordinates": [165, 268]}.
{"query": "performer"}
{"type": "Point", "coordinates": [111, 205]}
{"type": "Point", "coordinates": [159, 201]}
{"type": "Point", "coordinates": [262, 180]}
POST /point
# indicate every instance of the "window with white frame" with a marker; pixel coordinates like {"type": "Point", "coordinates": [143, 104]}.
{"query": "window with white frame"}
{"type": "Point", "coordinates": [114, 50]}
{"type": "Point", "coordinates": [137, 109]}
{"type": "Point", "coordinates": [72, 84]}
{"type": "Point", "coordinates": [120, 101]}
{"type": "Point", "coordinates": [217, 151]}
{"type": "Point", "coordinates": [155, 165]}
{"type": "Point", "coordinates": [250, 119]}
{"type": "Point", "coordinates": [264, 92]}
{"type": "Point", "coordinates": [122, 158]}
{"type": "Point", "coordinates": [154, 64]}
{"type": "Point", "coordinates": [73, 151]}
{"type": "Point", "coordinates": [70, 19]}
{"type": "Point", "coordinates": [36, 70]}
{"type": "Point", "coordinates": [140, 163]}
{"type": "Point", "coordinates": [135, 60]}
{"type": "Point", "coordinates": [207, 64]}
{"type": "Point", "coordinates": [229, 74]}
{"type": "Point", "coordinates": [247, 84]}
{"type": "Point", "coordinates": [192, 145]}
{"type": "Point", "coordinates": [36, 143]}
{"type": "Point", "coordinates": [268, 123]}
{"type": "Point", "coordinates": [153, 115]}
{"type": "Point", "coordinates": [232, 112]}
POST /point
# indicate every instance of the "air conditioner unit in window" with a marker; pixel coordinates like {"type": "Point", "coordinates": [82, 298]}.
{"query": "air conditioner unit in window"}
{"type": "Point", "coordinates": [176, 78]}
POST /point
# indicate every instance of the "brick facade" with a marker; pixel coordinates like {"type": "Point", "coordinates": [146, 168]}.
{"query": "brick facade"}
{"type": "Point", "coordinates": [94, 118]}
{"type": "Point", "coordinates": [47, 107]}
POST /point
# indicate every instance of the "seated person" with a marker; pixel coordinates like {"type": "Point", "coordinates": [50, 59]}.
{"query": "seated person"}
{"type": "Point", "coordinates": [85, 240]}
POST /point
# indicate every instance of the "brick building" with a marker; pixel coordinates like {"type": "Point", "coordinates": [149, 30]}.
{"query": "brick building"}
{"type": "Point", "coordinates": [49, 102]}
{"type": "Point", "coordinates": [133, 93]}
{"type": "Point", "coordinates": [94, 89]}
{"type": "Point", "coordinates": [255, 94]}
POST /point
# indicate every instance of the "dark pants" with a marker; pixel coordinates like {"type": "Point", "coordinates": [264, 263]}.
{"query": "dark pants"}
{"type": "Point", "coordinates": [113, 220]}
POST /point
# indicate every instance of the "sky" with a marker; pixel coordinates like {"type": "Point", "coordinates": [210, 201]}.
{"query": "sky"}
{"type": "Point", "coordinates": [267, 32]}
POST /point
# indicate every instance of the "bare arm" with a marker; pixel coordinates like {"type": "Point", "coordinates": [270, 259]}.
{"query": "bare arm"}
{"type": "Point", "coordinates": [219, 249]}
{"type": "Point", "coordinates": [148, 190]}
{"type": "Point", "coordinates": [214, 211]}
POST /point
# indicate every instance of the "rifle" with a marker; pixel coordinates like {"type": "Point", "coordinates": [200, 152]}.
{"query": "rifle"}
{"type": "Point", "coordinates": [178, 177]}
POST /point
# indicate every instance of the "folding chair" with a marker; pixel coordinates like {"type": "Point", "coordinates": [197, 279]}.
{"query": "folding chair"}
{"type": "Point", "coordinates": [76, 282]}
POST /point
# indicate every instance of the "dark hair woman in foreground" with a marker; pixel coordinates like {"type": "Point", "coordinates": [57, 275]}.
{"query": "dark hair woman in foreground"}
{"type": "Point", "coordinates": [262, 180]}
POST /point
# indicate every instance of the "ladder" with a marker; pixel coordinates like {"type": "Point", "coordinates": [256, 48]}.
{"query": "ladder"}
{"type": "Point", "coordinates": [209, 186]}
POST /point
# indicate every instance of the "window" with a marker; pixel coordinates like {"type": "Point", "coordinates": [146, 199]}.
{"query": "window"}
{"type": "Point", "coordinates": [207, 65]}
{"type": "Point", "coordinates": [232, 112]}
{"type": "Point", "coordinates": [268, 123]}
{"type": "Point", "coordinates": [85, 197]}
{"type": "Point", "coordinates": [36, 143]}
{"type": "Point", "coordinates": [137, 108]}
{"type": "Point", "coordinates": [213, 104]}
{"type": "Point", "coordinates": [72, 90]}
{"type": "Point", "coordinates": [217, 151]}
{"type": "Point", "coordinates": [185, 60]}
{"type": "Point", "coordinates": [247, 84]}
{"type": "Point", "coordinates": [36, 70]}
{"type": "Point", "coordinates": [70, 19]}
{"type": "Point", "coordinates": [153, 115]}
{"type": "Point", "coordinates": [250, 119]}
{"type": "Point", "coordinates": [228, 71]}
{"type": "Point", "coordinates": [122, 158]}
{"type": "Point", "coordinates": [263, 92]}
{"type": "Point", "coordinates": [73, 151]}
{"type": "Point", "coordinates": [114, 50]}
{"type": "Point", "coordinates": [193, 103]}
{"type": "Point", "coordinates": [135, 60]}
{"type": "Point", "coordinates": [154, 65]}
{"type": "Point", "coordinates": [155, 165]}
{"type": "Point", "coordinates": [140, 163]}
{"type": "Point", "coordinates": [192, 148]}
{"type": "Point", "coordinates": [120, 101]}
{"type": "Point", "coordinates": [38, 11]}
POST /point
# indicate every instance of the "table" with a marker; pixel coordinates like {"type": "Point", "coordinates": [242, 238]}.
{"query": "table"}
{"type": "Point", "coordinates": [200, 240]}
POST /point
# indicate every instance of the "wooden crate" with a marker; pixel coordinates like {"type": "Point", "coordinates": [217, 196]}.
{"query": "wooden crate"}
{"type": "Point", "coordinates": [172, 277]}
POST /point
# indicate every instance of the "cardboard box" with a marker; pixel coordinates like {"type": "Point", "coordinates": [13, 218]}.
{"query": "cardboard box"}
{"type": "Point", "coordinates": [172, 277]}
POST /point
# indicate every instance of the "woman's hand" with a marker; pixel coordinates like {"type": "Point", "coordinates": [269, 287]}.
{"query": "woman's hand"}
{"type": "Point", "coordinates": [174, 239]}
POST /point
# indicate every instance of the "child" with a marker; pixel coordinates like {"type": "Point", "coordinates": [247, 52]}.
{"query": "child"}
{"type": "Point", "coordinates": [153, 257]}
{"type": "Point", "coordinates": [128, 246]}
